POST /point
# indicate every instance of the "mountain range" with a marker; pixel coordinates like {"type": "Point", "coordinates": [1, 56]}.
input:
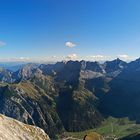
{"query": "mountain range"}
{"type": "Point", "coordinates": [71, 95]}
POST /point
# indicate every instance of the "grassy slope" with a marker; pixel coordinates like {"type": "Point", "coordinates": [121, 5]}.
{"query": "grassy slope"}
{"type": "Point", "coordinates": [110, 128]}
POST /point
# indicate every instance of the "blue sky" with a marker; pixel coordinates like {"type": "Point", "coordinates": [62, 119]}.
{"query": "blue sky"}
{"type": "Point", "coordinates": [69, 29]}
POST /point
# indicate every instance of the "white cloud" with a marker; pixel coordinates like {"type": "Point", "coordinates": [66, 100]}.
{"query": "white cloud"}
{"type": "Point", "coordinates": [15, 59]}
{"type": "Point", "coordinates": [24, 58]}
{"type": "Point", "coordinates": [124, 57]}
{"type": "Point", "coordinates": [2, 43]}
{"type": "Point", "coordinates": [72, 56]}
{"type": "Point", "coordinates": [54, 56]}
{"type": "Point", "coordinates": [98, 57]}
{"type": "Point", "coordinates": [70, 44]}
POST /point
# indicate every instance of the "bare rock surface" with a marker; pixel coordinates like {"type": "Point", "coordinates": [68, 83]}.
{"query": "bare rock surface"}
{"type": "Point", "coordinates": [11, 129]}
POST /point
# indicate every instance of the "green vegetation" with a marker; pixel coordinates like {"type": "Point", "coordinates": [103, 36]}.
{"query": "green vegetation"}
{"type": "Point", "coordinates": [110, 128]}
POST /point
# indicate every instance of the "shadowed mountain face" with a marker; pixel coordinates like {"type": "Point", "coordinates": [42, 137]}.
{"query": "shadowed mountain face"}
{"type": "Point", "coordinates": [123, 98]}
{"type": "Point", "coordinates": [113, 68]}
{"type": "Point", "coordinates": [71, 95]}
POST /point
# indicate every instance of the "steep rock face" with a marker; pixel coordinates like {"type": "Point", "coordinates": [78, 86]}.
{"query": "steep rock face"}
{"type": "Point", "coordinates": [123, 98]}
{"type": "Point", "coordinates": [70, 109]}
{"type": "Point", "coordinates": [25, 72]}
{"type": "Point", "coordinates": [11, 129]}
{"type": "Point", "coordinates": [30, 104]}
{"type": "Point", "coordinates": [75, 104]}
{"type": "Point", "coordinates": [94, 66]}
{"type": "Point", "coordinates": [5, 75]}
{"type": "Point", "coordinates": [76, 108]}
{"type": "Point", "coordinates": [91, 70]}
{"type": "Point", "coordinates": [113, 68]}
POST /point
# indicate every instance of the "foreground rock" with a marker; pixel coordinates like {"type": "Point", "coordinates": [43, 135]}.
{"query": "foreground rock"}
{"type": "Point", "coordinates": [93, 136]}
{"type": "Point", "coordinates": [11, 129]}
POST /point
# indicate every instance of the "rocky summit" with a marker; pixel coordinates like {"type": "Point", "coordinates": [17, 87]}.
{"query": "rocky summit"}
{"type": "Point", "coordinates": [11, 129]}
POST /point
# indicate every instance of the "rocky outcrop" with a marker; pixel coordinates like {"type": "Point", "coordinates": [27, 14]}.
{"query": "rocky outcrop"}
{"type": "Point", "coordinates": [93, 136]}
{"type": "Point", "coordinates": [11, 129]}
{"type": "Point", "coordinates": [30, 104]}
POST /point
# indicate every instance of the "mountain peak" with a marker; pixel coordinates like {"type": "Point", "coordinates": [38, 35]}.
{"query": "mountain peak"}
{"type": "Point", "coordinates": [114, 67]}
{"type": "Point", "coordinates": [118, 59]}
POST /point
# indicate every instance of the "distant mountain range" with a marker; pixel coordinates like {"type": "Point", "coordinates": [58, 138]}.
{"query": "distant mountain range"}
{"type": "Point", "coordinates": [71, 96]}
